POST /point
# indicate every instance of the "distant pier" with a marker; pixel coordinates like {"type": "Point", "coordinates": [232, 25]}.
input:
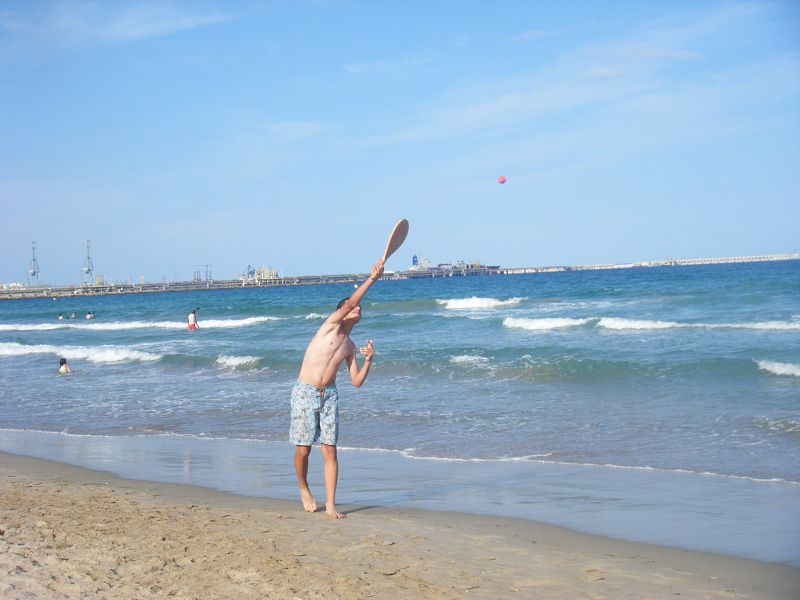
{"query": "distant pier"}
{"type": "Point", "coordinates": [670, 262]}
{"type": "Point", "coordinates": [19, 291]}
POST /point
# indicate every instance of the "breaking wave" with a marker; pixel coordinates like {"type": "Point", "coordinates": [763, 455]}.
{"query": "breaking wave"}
{"type": "Point", "coordinates": [476, 303]}
{"type": "Point", "coordinates": [543, 324]}
{"type": "Point", "coordinates": [236, 362]}
{"type": "Point", "coordinates": [618, 323]}
{"type": "Point", "coordinates": [100, 354]}
{"type": "Point", "coordinates": [778, 368]}
{"type": "Point", "coordinates": [469, 360]}
{"type": "Point", "coordinates": [123, 325]}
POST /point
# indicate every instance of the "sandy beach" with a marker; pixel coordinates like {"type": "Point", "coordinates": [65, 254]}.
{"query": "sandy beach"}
{"type": "Point", "coordinates": [68, 532]}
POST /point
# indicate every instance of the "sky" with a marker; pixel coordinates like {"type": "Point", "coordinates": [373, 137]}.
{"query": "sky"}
{"type": "Point", "coordinates": [296, 133]}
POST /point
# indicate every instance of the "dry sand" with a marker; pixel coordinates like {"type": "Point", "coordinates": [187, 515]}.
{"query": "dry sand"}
{"type": "Point", "coordinates": [67, 532]}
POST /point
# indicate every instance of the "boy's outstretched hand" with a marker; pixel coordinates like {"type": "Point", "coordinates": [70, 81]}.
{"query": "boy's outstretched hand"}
{"type": "Point", "coordinates": [368, 350]}
{"type": "Point", "coordinates": [377, 270]}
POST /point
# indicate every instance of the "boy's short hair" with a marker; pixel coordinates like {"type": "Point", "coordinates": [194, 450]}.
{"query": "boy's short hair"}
{"type": "Point", "coordinates": [341, 302]}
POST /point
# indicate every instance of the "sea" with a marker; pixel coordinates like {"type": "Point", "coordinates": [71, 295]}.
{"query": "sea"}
{"type": "Point", "coordinates": [653, 404]}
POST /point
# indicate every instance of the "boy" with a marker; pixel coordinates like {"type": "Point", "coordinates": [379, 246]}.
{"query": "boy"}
{"type": "Point", "coordinates": [315, 410]}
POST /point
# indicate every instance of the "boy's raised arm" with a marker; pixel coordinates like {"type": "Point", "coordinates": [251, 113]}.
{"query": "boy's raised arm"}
{"type": "Point", "coordinates": [356, 296]}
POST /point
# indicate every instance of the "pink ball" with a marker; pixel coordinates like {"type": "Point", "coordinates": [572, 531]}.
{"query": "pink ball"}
{"type": "Point", "coordinates": [501, 179]}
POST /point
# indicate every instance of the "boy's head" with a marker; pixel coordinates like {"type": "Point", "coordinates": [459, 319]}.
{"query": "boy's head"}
{"type": "Point", "coordinates": [63, 361]}
{"type": "Point", "coordinates": [354, 315]}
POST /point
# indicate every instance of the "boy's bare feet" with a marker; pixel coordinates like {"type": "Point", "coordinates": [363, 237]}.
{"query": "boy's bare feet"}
{"type": "Point", "coordinates": [334, 514]}
{"type": "Point", "coordinates": [309, 504]}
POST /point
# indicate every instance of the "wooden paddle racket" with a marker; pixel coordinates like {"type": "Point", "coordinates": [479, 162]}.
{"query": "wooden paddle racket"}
{"type": "Point", "coordinates": [396, 239]}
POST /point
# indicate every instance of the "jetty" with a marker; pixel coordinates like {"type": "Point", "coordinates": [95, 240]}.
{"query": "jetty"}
{"type": "Point", "coordinates": [670, 262]}
{"type": "Point", "coordinates": [19, 291]}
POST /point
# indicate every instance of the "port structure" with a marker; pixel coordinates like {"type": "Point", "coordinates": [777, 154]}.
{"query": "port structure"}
{"type": "Point", "coordinates": [197, 278]}
{"type": "Point", "coordinates": [88, 265]}
{"type": "Point", "coordinates": [33, 268]}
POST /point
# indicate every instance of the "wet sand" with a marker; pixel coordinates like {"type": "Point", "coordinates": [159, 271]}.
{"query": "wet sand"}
{"type": "Point", "coordinates": [68, 532]}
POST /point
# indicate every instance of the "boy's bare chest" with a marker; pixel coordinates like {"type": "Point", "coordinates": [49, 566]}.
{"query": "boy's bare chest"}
{"type": "Point", "coordinates": [335, 344]}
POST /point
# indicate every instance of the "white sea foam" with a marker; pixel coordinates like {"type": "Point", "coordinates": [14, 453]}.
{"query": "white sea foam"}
{"type": "Point", "coordinates": [122, 325]}
{"type": "Point", "coordinates": [467, 359]}
{"type": "Point", "coordinates": [228, 323]}
{"type": "Point", "coordinates": [107, 354]}
{"type": "Point", "coordinates": [618, 323]}
{"type": "Point", "coordinates": [236, 362]}
{"type": "Point", "coordinates": [779, 368]}
{"type": "Point", "coordinates": [409, 453]}
{"type": "Point", "coordinates": [476, 303]}
{"type": "Point", "coordinates": [543, 324]}
{"type": "Point", "coordinates": [31, 327]}
{"type": "Point", "coordinates": [775, 325]}
{"type": "Point", "coordinates": [782, 425]}
{"type": "Point", "coordinates": [314, 315]}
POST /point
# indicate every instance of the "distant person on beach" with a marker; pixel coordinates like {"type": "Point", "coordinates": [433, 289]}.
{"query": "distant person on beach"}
{"type": "Point", "coordinates": [315, 408]}
{"type": "Point", "coordinates": [192, 320]}
{"type": "Point", "coordinates": [63, 367]}
{"type": "Point", "coordinates": [60, 317]}
{"type": "Point", "coordinates": [90, 315]}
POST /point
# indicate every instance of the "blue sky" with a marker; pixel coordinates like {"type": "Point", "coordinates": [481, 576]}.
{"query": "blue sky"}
{"type": "Point", "coordinates": [295, 134]}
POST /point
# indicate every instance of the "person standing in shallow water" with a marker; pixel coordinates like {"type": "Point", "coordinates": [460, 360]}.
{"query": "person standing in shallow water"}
{"type": "Point", "coordinates": [315, 399]}
{"type": "Point", "coordinates": [192, 320]}
{"type": "Point", "coordinates": [63, 367]}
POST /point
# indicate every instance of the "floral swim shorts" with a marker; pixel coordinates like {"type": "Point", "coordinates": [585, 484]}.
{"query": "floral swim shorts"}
{"type": "Point", "coordinates": [315, 415]}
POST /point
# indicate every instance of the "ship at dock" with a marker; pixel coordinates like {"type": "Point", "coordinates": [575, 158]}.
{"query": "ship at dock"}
{"type": "Point", "coordinates": [421, 268]}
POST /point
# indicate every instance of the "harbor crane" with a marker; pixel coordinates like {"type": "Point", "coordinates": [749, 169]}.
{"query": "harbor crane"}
{"type": "Point", "coordinates": [33, 268]}
{"type": "Point", "coordinates": [88, 265]}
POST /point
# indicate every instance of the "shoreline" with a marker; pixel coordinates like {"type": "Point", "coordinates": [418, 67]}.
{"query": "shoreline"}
{"type": "Point", "coordinates": [77, 531]}
{"type": "Point", "coordinates": [718, 515]}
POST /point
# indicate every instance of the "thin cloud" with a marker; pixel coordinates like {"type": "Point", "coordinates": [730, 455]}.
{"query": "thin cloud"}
{"type": "Point", "coordinates": [67, 24]}
{"type": "Point", "coordinates": [606, 72]}
{"type": "Point", "coordinates": [294, 130]}
{"type": "Point", "coordinates": [589, 77]}
{"type": "Point", "coordinates": [531, 34]}
{"type": "Point", "coordinates": [386, 67]}
{"type": "Point", "coordinates": [9, 22]}
{"type": "Point", "coordinates": [146, 21]}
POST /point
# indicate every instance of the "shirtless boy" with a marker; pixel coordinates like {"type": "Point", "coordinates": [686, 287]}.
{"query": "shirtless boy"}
{"type": "Point", "coordinates": [315, 410]}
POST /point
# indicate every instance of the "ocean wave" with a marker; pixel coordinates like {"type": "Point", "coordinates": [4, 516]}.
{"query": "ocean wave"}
{"type": "Point", "coordinates": [470, 360]}
{"type": "Point", "coordinates": [618, 323]}
{"type": "Point", "coordinates": [101, 354]}
{"type": "Point", "coordinates": [476, 303]}
{"type": "Point", "coordinates": [778, 368]}
{"type": "Point", "coordinates": [314, 315]}
{"type": "Point", "coordinates": [123, 325]}
{"type": "Point", "coordinates": [236, 362]}
{"type": "Point", "coordinates": [774, 325]}
{"type": "Point", "coordinates": [228, 323]}
{"type": "Point", "coordinates": [32, 327]}
{"type": "Point", "coordinates": [409, 453]}
{"type": "Point", "coordinates": [543, 324]}
{"type": "Point", "coordinates": [782, 425]}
